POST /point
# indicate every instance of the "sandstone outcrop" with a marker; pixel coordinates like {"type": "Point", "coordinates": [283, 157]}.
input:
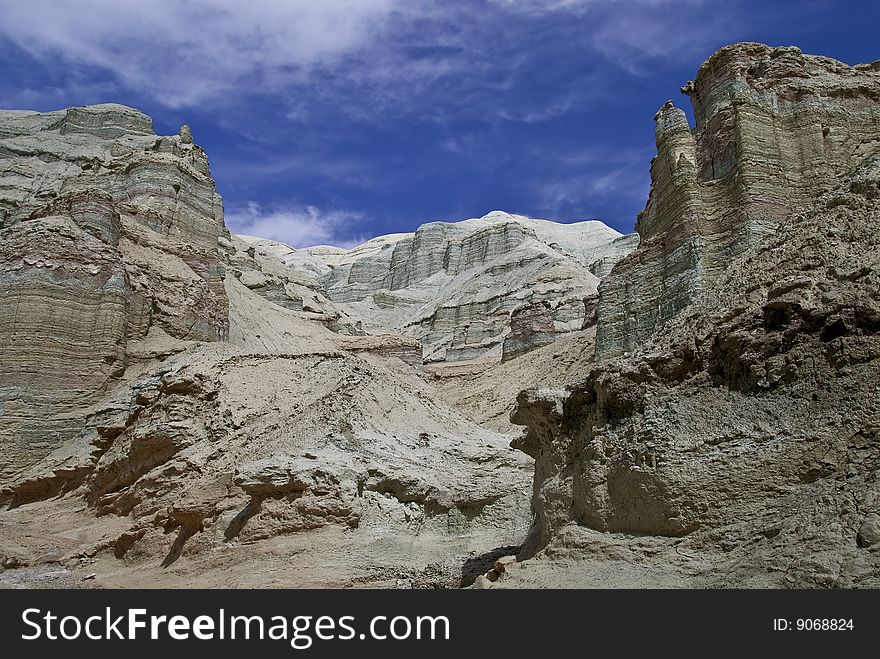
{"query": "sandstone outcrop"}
{"type": "Point", "coordinates": [299, 441]}
{"type": "Point", "coordinates": [108, 235]}
{"type": "Point", "coordinates": [774, 129]}
{"type": "Point", "coordinates": [260, 265]}
{"type": "Point", "coordinates": [739, 444]}
{"type": "Point", "coordinates": [180, 391]}
{"type": "Point", "coordinates": [453, 285]}
{"type": "Point", "coordinates": [531, 326]}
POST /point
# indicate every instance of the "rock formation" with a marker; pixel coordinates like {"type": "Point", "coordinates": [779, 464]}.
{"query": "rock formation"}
{"type": "Point", "coordinates": [108, 235]}
{"type": "Point", "coordinates": [531, 326]}
{"type": "Point", "coordinates": [738, 445]}
{"type": "Point", "coordinates": [774, 129]}
{"type": "Point", "coordinates": [199, 392]}
{"type": "Point", "coordinates": [454, 285]}
{"type": "Point", "coordinates": [182, 406]}
{"type": "Point", "coordinates": [744, 438]}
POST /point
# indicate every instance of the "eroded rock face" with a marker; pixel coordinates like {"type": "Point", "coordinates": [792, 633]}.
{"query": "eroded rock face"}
{"type": "Point", "coordinates": [774, 129]}
{"type": "Point", "coordinates": [738, 447]}
{"type": "Point", "coordinates": [261, 266]}
{"type": "Point", "coordinates": [759, 398]}
{"type": "Point", "coordinates": [285, 430]}
{"type": "Point", "coordinates": [243, 446]}
{"type": "Point", "coordinates": [107, 232]}
{"type": "Point", "coordinates": [117, 278]}
{"type": "Point", "coordinates": [531, 326]}
{"type": "Point", "coordinates": [453, 286]}
{"type": "Point", "coordinates": [449, 288]}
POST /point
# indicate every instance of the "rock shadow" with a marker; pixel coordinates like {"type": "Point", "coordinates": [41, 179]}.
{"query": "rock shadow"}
{"type": "Point", "coordinates": [177, 548]}
{"type": "Point", "coordinates": [238, 522]}
{"type": "Point", "coordinates": [474, 567]}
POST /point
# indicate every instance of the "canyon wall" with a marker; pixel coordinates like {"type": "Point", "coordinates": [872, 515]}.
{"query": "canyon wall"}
{"type": "Point", "coordinates": [263, 414]}
{"type": "Point", "coordinates": [741, 441]}
{"type": "Point", "coordinates": [454, 285]}
{"type": "Point", "coordinates": [169, 389]}
{"type": "Point", "coordinates": [774, 129]}
{"type": "Point", "coordinates": [108, 234]}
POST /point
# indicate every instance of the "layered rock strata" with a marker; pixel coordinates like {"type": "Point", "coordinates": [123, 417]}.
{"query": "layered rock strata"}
{"type": "Point", "coordinates": [453, 286]}
{"type": "Point", "coordinates": [108, 233]}
{"type": "Point", "coordinates": [749, 428]}
{"type": "Point", "coordinates": [531, 326]}
{"type": "Point", "coordinates": [774, 129]}
{"type": "Point", "coordinates": [199, 392]}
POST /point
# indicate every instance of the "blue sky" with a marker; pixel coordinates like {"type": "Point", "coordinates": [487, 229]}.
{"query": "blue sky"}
{"type": "Point", "coordinates": [331, 121]}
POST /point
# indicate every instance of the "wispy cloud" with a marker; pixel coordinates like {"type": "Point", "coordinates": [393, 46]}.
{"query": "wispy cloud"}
{"type": "Point", "coordinates": [594, 174]}
{"type": "Point", "coordinates": [461, 144]}
{"type": "Point", "coordinates": [297, 225]}
{"type": "Point", "coordinates": [335, 170]}
{"type": "Point", "coordinates": [187, 54]}
{"type": "Point", "coordinates": [668, 29]}
{"type": "Point", "coordinates": [555, 108]}
{"type": "Point", "coordinates": [546, 6]}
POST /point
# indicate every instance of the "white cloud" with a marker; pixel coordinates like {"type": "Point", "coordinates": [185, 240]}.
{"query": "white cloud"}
{"type": "Point", "coordinates": [296, 225]}
{"type": "Point", "coordinates": [542, 6]}
{"type": "Point", "coordinates": [659, 29]}
{"type": "Point", "coordinates": [312, 160]}
{"type": "Point", "coordinates": [186, 54]}
{"type": "Point", "coordinates": [556, 108]}
{"type": "Point", "coordinates": [628, 32]}
{"type": "Point", "coordinates": [595, 173]}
